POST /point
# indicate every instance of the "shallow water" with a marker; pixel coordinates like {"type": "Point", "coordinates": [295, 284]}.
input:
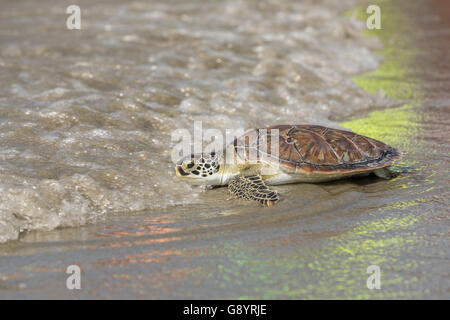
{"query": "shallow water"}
{"type": "Point", "coordinates": [85, 135]}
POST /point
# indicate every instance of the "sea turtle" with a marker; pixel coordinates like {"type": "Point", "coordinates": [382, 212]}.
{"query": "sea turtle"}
{"type": "Point", "coordinates": [303, 153]}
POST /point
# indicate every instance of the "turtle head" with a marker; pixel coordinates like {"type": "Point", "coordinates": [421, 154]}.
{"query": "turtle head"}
{"type": "Point", "coordinates": [201, 169]}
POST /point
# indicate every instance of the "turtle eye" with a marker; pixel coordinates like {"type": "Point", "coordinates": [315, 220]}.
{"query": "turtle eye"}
{"type": "Point", "coordinates": [190, 165]}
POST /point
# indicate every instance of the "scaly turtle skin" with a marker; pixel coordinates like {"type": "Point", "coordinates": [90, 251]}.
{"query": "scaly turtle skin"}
{"type": "Point", "coordinates": [298, 153]}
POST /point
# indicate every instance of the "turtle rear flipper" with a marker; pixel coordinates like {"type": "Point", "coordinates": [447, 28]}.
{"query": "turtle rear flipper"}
{"type": "Point", "coordinates": [253, 188]}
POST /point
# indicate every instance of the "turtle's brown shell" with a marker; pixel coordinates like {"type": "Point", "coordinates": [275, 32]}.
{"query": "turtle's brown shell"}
{"type": "Point", "coordinates": [316, 149]}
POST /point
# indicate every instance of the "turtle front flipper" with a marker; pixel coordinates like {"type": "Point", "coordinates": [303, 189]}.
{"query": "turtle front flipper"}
{"type": "Point", "coordinates": [253, 188]}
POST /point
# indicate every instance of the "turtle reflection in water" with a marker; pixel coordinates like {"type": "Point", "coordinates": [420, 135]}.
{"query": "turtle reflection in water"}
{"type": "Point", "coordinates": [306, 153]}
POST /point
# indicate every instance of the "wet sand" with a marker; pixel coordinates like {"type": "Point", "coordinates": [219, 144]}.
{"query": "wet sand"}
{"type": "Point", "coordinates": [318, 241]}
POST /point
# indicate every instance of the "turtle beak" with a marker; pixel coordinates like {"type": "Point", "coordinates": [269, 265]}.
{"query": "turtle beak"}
{"type": "Point", "coordinates": [180, 172]}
